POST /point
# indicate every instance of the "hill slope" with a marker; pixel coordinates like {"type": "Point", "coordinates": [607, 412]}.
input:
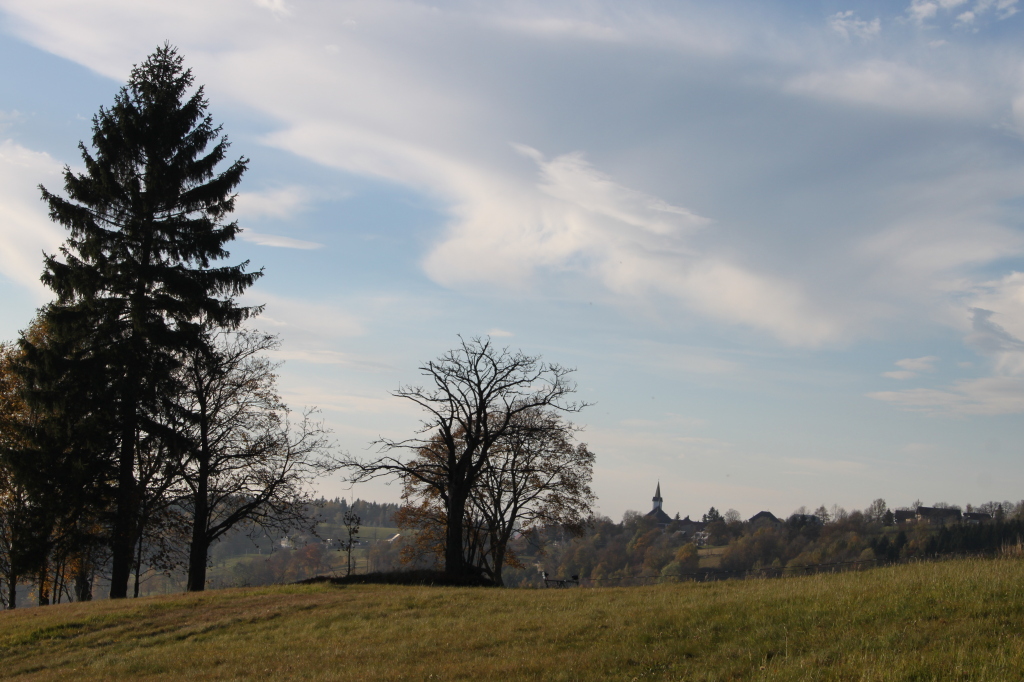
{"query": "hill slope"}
{"type": "Point", "coordinates": [954, 620]}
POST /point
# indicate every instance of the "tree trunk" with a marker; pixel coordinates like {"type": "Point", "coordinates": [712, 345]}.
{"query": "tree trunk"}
{"type": "Point", "coordinates": [83, 581]}
{"type": "Point", "coordinates": [454, 561]}
{"type": "Point", "coordinates": [44, 586]}
{"type": "Point", "coordinates": [200, 519]}
{"type": "Point", "coordinates": [197, 555]}
{"type": "Point", "coordinates": [124, 517]}
{"type": "Point", "coordinates": [12, 592]}
{"type": "Point", "coordinates": [499, 561]}
{"type": "Point", "coordinates": [138, 565]}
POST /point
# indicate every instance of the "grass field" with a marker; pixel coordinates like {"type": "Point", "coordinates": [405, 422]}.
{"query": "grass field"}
{"type": "Point", "coordinates": [958, 620]}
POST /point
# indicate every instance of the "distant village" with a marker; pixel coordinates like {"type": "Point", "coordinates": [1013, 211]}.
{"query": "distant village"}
{"type": "Point", "coordinates": [697, 533]}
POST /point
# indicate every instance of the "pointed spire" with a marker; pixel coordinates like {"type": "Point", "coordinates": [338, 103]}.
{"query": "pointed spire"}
{"type": "Point", "coordinates": [657, 497]}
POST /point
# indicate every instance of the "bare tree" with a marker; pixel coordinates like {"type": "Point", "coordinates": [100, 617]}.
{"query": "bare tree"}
{"type": "Point", "coordinates": [247, 461]}
{"type": "Point", "coordinates": [536, 476]}
{"type": "Point", "coordinates": [351, 521]}
{"type": "Point", "coordinates": [474, 395]}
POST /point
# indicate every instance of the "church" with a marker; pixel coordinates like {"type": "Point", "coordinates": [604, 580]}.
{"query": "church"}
{"type": "Point", "coordinates": [657, 513]}
{"type": "Point", "coordinates": [685, 527]}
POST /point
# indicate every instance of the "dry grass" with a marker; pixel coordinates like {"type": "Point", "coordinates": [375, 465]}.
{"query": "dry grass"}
{"type": "Point", "coordinates": [961, 620]}
{"type": "Point", "coordinates": [710, 557]}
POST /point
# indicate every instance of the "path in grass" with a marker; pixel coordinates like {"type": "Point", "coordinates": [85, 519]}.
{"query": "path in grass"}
{"type": "Point", "coordinates": [961, 620]}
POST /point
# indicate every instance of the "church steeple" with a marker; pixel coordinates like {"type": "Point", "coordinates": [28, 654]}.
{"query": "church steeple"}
{"type": "Point", "coordinates": [657, 497]}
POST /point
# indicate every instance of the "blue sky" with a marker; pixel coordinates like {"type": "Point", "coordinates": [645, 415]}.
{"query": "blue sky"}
{"type": "Point", "coordinates": [781, 242]}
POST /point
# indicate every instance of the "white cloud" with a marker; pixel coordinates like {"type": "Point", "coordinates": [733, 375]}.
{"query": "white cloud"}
{"type": "Point", "coordinates": [890, 85]}
{"type": "Point", "coordinates": [911, 367]}
{"type": "Point", "coordinates": [281, 202]}
{"type": "Point", "coordinates": [499, 333]}
{"type": "Point", "coordinates": [316, 322]}
{"type": "Point", "coordinates": [993, 340]}
{"type": "Point", "coordinates": [7, 118]}
{"type": "Point", "coordinates": [923, 364]}
{"type": "Point", "coordinates": [634, 243]}
{"type": "Point", "coordinates": [25, 229]}
{"type": "Point", "coordinates": [986, 396]}
{"type": "Point", "coordinates": [277, 240]}
{"type": "Point", "coordinates": [1002, 393]}
{"type": "Point", "coordinates": [277, 7]}
{"type": "Point", "coordinates": [922, 10]}
{"type": "Point", "coordinates": [628, 222]}
{"type": "Point", "coordinates": [847, 24]}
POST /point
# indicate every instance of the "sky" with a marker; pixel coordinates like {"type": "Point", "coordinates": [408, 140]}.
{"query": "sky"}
{"type": "Point", "coordinates": [782, 243]}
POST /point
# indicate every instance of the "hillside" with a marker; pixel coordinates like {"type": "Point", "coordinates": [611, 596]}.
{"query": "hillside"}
{"type": "Point", "coordinates": [953, 620]}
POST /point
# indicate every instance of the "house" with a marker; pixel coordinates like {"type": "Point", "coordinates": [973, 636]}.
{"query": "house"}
{"type": "Point", "coordinates": [764, 519]}
{"type": "Point", "coordinates": [688, 528]}
{"type": "Point", "coordinates": [657, 513]}
{"type": "Point", "coordinates": [974, 518]}
{"type": "Point", "coordinates": [801, 520]}
{"type": "Point", "coordinates": [938, 515]}
{"type": "Point", "coordinates": [903, 516]}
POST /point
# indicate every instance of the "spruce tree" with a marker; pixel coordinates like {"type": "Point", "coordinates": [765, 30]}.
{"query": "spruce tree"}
{"type": "Point", "coordinates": [135, 281]}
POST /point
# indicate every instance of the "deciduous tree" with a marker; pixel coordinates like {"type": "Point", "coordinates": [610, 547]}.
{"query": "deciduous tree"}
{"type": "Point", "coordinates": [475, 395]}
{"type": "Point", "coordinates": [246, 461]}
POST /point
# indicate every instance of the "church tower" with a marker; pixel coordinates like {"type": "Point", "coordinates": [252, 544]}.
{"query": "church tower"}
{"type": "Point", "coordinates": [657, 513]}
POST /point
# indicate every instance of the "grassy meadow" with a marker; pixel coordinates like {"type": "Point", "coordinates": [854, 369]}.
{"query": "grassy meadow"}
{"type": "Point", "coordinates": [956, 620]}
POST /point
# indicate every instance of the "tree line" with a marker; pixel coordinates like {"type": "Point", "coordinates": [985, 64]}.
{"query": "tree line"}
{"type": "Point", "coordinates": [637, 549]}
{"type": "Point", "coordinates": [139, 418]}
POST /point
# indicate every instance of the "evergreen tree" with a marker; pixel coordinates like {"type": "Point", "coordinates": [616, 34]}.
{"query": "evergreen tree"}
{"type": "Point", "coordinates": [135, 285]}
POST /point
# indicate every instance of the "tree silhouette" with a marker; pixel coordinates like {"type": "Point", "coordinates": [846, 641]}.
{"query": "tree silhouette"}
{"type": "Point", "coordinates": [135, 281]}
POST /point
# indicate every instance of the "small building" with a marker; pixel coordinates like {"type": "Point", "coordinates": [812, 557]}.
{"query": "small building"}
{"type": "Point", "coordinates": [975, 518]}
{"type": "Point", "coordinates": [689, 528]}
{"type": "Point", "coordinates": [764, 519]}
{"type": "Point", "coordinates": [904, 516]}
{"type": "Point", "coordinates": [657, 513]}
{"type": "Point", "coordinates": [939, 516]}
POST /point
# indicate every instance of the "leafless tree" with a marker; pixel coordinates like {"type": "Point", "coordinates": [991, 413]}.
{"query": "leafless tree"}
{"type": "Point", "coordinates": [247, 461]}
{"type": "Point", "coordinates": [537, 475]}
{"type": "Point", "coordinates": [351, 521]}
{"type": "Point", "coordinates": [474, 395]}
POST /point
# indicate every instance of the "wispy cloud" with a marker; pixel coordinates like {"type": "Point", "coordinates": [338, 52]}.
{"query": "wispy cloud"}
{"type": "Point", "coordinates": [277, 240]}
{"type": "Point", "coordinates": [634, 243]}
{"type": "Point", "coordinates": [986, 396]}
{"type": "Point", "coordinates": [911, 367]}
{"type": "Point", "coordinates": [892, 85]}
{"type": "Point", "coordinates": [277, 7]}
{"type": "Point", "coordinates": [25, 229]}
{"type": "Point", "coordinates": [280, 202]}
{"type": "Point", "coordinates": [1002, 393]}
{"type": "Point", "coordinates": [922, 364]}
{"type": "Point", "coordinates": [847, 24]}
